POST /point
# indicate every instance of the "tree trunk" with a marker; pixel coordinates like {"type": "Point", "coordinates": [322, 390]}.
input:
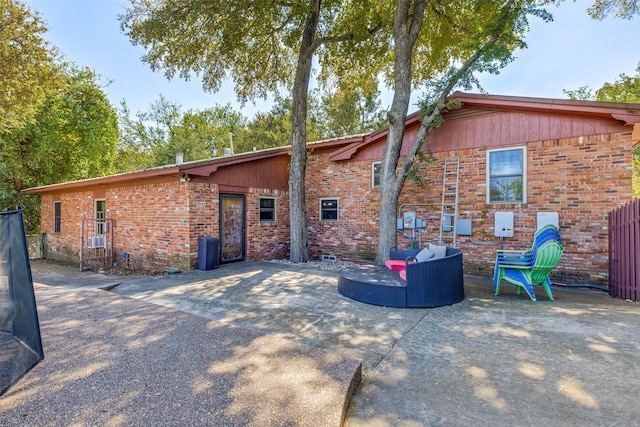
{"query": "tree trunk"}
{"type": "Point", "coordinates": [407, 23]}
{"type": "Point", "coordinates": [297, 205]}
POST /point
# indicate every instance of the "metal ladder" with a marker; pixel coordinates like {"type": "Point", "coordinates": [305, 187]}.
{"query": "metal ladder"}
{"type": "Point", "coordinates": [448, 219]}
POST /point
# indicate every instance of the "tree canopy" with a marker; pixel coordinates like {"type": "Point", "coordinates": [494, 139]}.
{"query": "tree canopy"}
{"type": "Point", "coordinates": [73, 136]}
{"type": "Point", "coordinates": [253, 43]}
{"type": "Point", "coordinates": [152, 138]}
{"type": "Point", "coordinates": [265, 47]}
{"type": "Point", "coordinates": [350, 111]}
{"type": "Point", "coordinates": [27, 65]}
{"type": "Point", "coordinates": [624, 89]}
{"type": "Point", "coordinates": [440, 46]}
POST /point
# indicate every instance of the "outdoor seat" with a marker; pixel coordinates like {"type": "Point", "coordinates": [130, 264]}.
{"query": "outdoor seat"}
{"type": "Point", "coordinates": [544, 234]}
{"type": "Point", "coordinates": [396, 264]}
{"type": "Point", "coordinates": [530, 268]}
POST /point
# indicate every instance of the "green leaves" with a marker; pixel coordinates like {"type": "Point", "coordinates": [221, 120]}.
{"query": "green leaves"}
{"type": "Point", "coordinates": [56, 124]}
{"type": "Point", "coordinates": [250, 42]}
{"type": "Point", "coordinates": [625, 89]}
{"type": "Point", "coordinates": [27, 68]}
{"type": "Point", "coordinates": [624, 9]}
{"type": "Point", "coordinates": [153, 138]}
{"type": "Point", "coordinates": [73, 136]}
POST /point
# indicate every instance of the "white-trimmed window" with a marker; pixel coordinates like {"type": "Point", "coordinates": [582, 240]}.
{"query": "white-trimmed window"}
{"type": "Point", "coordinates": [267, 209]}
{"type": "Point", "coordinates": [57, 215]}
{"type": "Point", "coordinates": [376, 173]}
{"type": "Point", "coordinates": [100, 215]}
{"type": "Point", "coordinates": [329, 209]}
{"type": "Point", "coordinates": [507, 175]}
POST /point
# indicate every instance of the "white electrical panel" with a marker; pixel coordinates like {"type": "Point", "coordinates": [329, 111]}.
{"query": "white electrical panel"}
{"type": "Point", "coordinates": [504, 224]}
{"type": "Point", "coordinates": [545, 218]}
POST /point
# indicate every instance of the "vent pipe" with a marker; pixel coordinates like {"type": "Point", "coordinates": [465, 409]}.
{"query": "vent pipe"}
{"type": "Point", "coordinates": [179, 158]}
{"type": "Point", "coordinates": [231, 142]}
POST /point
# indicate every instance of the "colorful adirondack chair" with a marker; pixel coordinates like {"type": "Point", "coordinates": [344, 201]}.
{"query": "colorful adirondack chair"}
{"type": "Point", "coordinates": [544, 234]}
{"type": "Point", "coordinates": [530, 269]}
{"type": "Point", "coordinates": [526, 257]}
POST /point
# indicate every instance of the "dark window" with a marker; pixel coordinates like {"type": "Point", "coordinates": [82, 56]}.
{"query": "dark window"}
{"type": "Point", "coordinates": [57, 209]}
{"type": "Point", "coordinates": [267, 209]}
{"type": "Point", "coordinates": [329, 209]}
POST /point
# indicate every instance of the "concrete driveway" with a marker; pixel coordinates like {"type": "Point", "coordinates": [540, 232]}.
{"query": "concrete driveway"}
{"type": "Point", "coordinates": [489, 360]}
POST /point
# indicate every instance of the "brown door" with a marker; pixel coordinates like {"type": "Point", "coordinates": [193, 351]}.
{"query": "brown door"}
{"type": "Point", "coordinates": [232, 229]}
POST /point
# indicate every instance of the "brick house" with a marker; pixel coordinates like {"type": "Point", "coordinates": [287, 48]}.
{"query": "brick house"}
{"type": "Point", "coordinates": [520, 156]}
{"type": "Point", "coordinates": [156, 216]}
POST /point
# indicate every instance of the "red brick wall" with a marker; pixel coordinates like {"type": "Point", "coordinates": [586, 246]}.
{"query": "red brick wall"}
{"type": "Point", "coordinates": [158, 223]}
{"type": "Point", "coordinates": [65, 246]}
{"type": "Point", "coordinates": [354, 235]}
{"type": "Point", "coordinates": [264, 240]}
{"type": "Point", "coordinates": [151, 224]}
{"type": "Point", "coordinates": [204, 203]}
{"type": "Point", "coordinates": [267, 240]}
{"type": "Point", "coordinates": [580, 178]}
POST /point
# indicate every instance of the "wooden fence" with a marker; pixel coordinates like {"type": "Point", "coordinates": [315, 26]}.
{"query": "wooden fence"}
{"type": "Point", "coordinates": [624, 252]}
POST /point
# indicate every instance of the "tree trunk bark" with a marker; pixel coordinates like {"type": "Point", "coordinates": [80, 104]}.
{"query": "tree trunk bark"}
{"type": "Point", "coordinates": [297, 205]}
{"type": "Point", "coordinates": [407, 23]}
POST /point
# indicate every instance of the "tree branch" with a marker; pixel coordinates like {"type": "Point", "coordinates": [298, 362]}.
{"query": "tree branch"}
{"type": "Point", "coordinates": [345, 37]}
{"type": "Point", "coordinates": [425, 126]}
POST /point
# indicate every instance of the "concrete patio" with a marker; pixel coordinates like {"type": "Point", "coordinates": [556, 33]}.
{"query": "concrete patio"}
{"type": "Point", "coordinates": [218, 347]}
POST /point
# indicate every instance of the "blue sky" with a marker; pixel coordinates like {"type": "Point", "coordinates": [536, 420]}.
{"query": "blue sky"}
{"type": "Point", "coordinates": [572, 51]}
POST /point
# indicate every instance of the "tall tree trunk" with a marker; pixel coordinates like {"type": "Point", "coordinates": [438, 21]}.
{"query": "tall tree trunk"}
{"type": "Point", "coordinates": [407, 23]}
{"type": "Point", "coordinates": [297, 205]}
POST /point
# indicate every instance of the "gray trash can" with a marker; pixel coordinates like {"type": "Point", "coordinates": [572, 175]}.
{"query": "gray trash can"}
{"type": "Point", "coordinates": [208, 253]}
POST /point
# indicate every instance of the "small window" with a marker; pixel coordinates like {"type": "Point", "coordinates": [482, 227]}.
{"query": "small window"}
{"type": "Point", "coordinates": [328, 209]}
{"type": "Point", "coordinates": [57, 210]}
{"type": "Point", "coordinates": [267, 209]}
{"type": "Point", "coordinates": [506, 175]}
{"type": "Point", "coordinates": [101, 210]}
{"type": "Point", "coordinates": [376, 170]}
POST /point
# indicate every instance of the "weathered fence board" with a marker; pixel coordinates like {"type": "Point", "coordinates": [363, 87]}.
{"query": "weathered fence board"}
{"type": "Point", "coordinates": [624, 252]}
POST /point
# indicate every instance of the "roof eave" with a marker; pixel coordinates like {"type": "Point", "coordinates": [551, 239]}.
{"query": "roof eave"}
{"type": "Point", "coordinates": [196, 168]}
{"type": "Point", "coordinates": [626, 113]}
{"type": "Point", "coordinates": [105, 180]}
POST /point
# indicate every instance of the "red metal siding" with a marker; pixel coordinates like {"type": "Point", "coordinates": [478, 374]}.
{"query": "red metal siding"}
{"type": "Point", "coordinates": [471, 129]}
{"type": "Point", "coordinates": [513, 128]}
{"type": "Point", "coordinates": [269, 173]}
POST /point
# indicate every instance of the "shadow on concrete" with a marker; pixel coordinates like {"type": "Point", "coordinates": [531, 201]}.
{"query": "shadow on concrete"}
{"type": "Point", "coordinates": [113, 360]}
{"type": "Point", "coordinates": [489, 360]}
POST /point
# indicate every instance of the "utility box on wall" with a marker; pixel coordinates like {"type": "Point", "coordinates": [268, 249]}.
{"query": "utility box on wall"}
{"type": "Point", "coordinates": [464, 227]}
{"type": "Point", "coordinates": [409, 220]}
{"type": "Point", "coordinates": [545, 218]}
{"type": "Point", "coordinates": [503, 224]}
